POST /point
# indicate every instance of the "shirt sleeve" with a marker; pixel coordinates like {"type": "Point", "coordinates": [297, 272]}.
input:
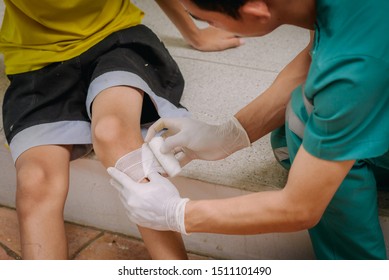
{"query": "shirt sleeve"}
{"type": "Point", "coordinates": [350, 119]}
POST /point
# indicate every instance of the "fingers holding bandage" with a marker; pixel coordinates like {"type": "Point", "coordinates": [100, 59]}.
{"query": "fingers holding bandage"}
{"type": "Point", "coordinates": [148, 159]}
{"type": "Point", "coordinates": [173, 139]}
{"type": "Point", "coordinates": [168, 160]}
{"type": "Point", "coordinates": [200, 140]}
{"type": "Point", "coordinates": [156, 204]}
{"type": "Point", "coordinates": [168, 126]}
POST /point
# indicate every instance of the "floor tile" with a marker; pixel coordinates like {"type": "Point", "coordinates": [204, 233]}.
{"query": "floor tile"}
{"type": "Point", "coordinates": [114, 247]}
{"type": "Point", "coordinates": [9, 233]}
{"type": "Point", "coordinates": [4, 255]}
{"type": "Point", "coordinates": [79, 237]}
{"type": "Point", "coordinates": [84, 243]}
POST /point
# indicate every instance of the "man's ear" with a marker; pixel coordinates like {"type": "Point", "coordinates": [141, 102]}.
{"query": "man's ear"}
{"type": "Point", "coordinates": [256, 8]}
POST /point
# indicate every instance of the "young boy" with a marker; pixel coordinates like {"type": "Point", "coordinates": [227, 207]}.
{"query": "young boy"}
{"type": "Point", "coordinates": [84, 72]}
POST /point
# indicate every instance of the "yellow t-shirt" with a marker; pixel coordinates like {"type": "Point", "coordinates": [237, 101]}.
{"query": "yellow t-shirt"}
{"type": "Point", "coordinates": [36, 33]}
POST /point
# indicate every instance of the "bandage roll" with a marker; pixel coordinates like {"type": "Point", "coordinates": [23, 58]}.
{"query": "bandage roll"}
{"type": "Point", "coordinates": [167, 161]}
{"type": "Point", "coordinates": [139, 163]}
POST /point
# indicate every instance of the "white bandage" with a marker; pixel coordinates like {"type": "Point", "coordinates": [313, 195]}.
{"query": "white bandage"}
{"type": "Point", "coordinates": [139, 164]}
{"type": "Point", "coordinates": [168, 161]}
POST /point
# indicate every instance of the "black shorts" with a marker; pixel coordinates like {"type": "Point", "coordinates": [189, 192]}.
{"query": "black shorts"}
{"type": "Point", "coordinates": [51, 106]}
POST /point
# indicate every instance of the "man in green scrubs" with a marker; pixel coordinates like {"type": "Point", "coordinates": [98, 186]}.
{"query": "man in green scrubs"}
{"type": "Point", "coordinates": [330, 106]}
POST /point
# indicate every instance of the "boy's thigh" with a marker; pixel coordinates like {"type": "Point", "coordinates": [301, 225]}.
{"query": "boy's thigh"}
{"type": "Point", "coordinates": [46, 107]}
{"type": "Point", "coordinates": [139, 60]}
{"type": "Point", "coordinates": [148, 64]}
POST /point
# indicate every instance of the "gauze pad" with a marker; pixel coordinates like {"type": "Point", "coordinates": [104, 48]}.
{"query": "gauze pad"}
{"type": "Point", "coordinates": [168, 161]}
{"type": "Point", "coordinates": [139, 164]}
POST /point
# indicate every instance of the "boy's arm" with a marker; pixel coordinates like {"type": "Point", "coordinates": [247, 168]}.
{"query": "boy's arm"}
{"type": "Point", "coordinates": [267, 111]}
{"type": "Point", "coordinates": [208, 39]}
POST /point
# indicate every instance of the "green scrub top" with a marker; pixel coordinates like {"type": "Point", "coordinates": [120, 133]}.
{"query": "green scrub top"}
{"type": "Point", "coordinates": [348, 82]}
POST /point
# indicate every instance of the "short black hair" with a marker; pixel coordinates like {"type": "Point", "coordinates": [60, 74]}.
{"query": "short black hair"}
{"type": "Point", "coordinates": [228, 7]}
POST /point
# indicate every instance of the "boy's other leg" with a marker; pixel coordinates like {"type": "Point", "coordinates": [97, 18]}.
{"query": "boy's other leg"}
{"type": "Point", "coordinates": [42, 187]}
{"type": "Point", "coordinates": [116, 131]}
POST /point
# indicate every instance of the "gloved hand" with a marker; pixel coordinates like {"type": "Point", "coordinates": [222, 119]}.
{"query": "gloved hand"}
{"type": "Point", "coordinates": [156, 204]}
{"type": "Point", "coordinates": [199, 140]}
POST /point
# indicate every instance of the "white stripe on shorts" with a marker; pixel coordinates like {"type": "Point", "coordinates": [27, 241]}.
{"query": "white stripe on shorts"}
{"type": "Point", "coordinates": [123, 78]}
{"type": "Point", "coordinates": [76, 133]}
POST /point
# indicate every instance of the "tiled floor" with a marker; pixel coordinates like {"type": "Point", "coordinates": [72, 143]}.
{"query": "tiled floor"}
{"type": "Point", "coordinates": [85, 243]}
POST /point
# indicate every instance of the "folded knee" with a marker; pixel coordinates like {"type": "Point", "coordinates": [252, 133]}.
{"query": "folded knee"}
{"type": "Point", "coordinates": [108, 129]}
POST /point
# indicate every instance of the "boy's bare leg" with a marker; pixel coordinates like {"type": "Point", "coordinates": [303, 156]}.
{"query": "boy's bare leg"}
{"type": "Point", "coordinates": [163, 245]}
{"type": "Point", "coordinates": [42, 187]}
{"type": "Point", "coordinates": [116, 131]}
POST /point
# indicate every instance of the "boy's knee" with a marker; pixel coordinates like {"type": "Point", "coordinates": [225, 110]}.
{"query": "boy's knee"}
{"type": "Point", "coordinates": [29, 178]}
{"type": "Point", "coordinates": [108, 129]}
{"type": "Point", "coordinates": [38, 189]}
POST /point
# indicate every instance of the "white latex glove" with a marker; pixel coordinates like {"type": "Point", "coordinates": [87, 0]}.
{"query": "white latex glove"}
{"type": "Point", "coordinates": [199, 140]}
{"type": "Point", "coordinates": [156, 204]}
